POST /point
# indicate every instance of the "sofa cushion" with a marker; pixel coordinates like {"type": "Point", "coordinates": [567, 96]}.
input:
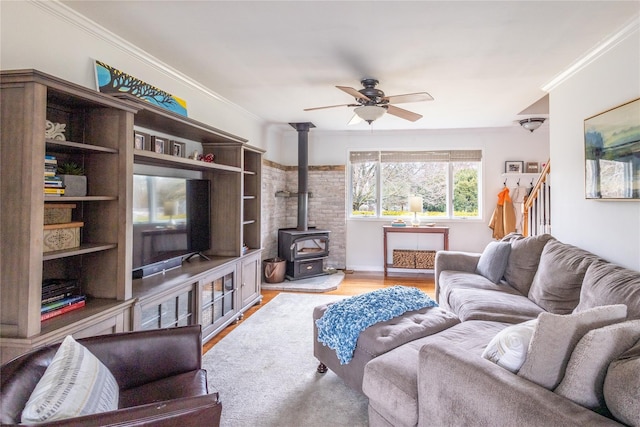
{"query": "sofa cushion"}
{"type": "Point", "coordinates": [451, 280]}
{"type": "Point", "coordinates": [482, 304]}
{"type": "Point", "coordinates": [75, 383]}
{"type": "Point", "coordinates": [606, 283]}
{"type": "Point", "coordinates": [622, 387]}
{"type": "Point", "coordinates": [556, 285]}
{"type": "Point", "coordinates": [556, 336]}
{"type": "Point", "coordinates": [509, 347]}
{"type": "Point", "coordinates": [523, 261]}
{"type": "Point", "coordinates": [391, 379]}
{"type": "Point", "coordinates": [584, 378]}
{"type": "Point", "coordinates": [493, 261]}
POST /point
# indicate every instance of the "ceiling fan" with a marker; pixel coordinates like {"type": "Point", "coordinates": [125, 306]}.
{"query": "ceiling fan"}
{"type": "Point", "coordinates": [372, 103]}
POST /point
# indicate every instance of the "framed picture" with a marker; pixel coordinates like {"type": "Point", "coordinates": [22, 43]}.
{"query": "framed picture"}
{"type": "Point", "coordinates": [532, 167]}
{"type": "Point", "coordinates": [141, 141]}
{"type": "Point", "coordinates": [513, 166]}
{"type": "Point", "coordinates": [178, 148]}
{"type": "Point", "coordinates": [612, 153]}
{"type": "Point", "coordinates": [158, 144]}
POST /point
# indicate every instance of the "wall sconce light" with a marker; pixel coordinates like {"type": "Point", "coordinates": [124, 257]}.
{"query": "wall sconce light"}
{"type": "Point", "coordinates": [532, 123]}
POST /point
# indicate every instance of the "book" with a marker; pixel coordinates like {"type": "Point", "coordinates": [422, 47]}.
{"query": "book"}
{"type": "Point", "coordinates": [52, 306]}
{"type": "Point", "coordinates": [50, 191]}
{"type": "Point", "coordinates": [53, 298]}
{"type": "Point", "coordinates": [66, 309]}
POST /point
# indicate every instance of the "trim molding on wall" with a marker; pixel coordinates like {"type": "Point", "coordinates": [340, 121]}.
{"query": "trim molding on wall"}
{"type": "Point", "coordinates": [599, 50]}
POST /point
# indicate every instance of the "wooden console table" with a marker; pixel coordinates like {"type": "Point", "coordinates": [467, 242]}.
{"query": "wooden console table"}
{"type": "Point", "coordinates": [423, 229]}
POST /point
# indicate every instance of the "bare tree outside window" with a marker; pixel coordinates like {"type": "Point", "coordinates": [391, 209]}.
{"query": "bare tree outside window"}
{"type": "Point", "coordinates": [449, 188]}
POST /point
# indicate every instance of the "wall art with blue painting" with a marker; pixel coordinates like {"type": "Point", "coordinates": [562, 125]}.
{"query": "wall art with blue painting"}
{"type": "Point", "coordinates": [112, 80]}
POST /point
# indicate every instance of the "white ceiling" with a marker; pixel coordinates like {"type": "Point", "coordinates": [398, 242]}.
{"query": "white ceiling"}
{"type": "Point", "coordinates": [483, 62]}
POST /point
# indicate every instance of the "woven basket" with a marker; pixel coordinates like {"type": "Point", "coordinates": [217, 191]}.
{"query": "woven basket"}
{"type": "Point", "coordinates": [426, 259]}
{"type": "Point", "coordinates": [403, 258]}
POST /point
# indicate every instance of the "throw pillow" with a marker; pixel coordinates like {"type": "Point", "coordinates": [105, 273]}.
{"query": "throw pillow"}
{"type": "Point", "coordinates": [622, 387]}
{"type": "Point", "coordinates": [583, 380]}
{"type": "Point", "coordinates": [556, 285]}
{"type": "Point", "coordinates": [493, 260]}
{"type": "Point", "coordinates": [556, 336]}
{"type": "Point", "coordinates": [606, 283]}
{"type": "Point", "coordinates": [509, 347]}
{"type": "Point", "coordinates": [75, 383]}
{"type": "Point", "coordinates": [523, 261]}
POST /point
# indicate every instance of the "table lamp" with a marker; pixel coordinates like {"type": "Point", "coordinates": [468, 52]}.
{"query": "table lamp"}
{"type": "Point", "coordinates": [415, 206]}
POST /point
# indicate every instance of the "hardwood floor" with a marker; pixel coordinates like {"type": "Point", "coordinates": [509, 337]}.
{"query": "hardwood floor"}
{"type": "Point", "coordinates": [354, 283]}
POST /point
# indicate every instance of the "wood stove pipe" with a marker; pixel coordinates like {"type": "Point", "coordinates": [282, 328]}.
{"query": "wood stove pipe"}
{"type": "Point", "coordinates": [303, 173]}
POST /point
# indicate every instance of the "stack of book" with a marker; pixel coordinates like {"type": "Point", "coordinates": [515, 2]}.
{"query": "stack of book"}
{"type": "Point", "coordinates": [53, 185]}
{"type": "Point", "coordinates": [60, 296]}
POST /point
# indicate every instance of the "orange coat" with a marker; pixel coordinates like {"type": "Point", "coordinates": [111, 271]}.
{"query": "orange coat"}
{"type": "Point", "coordinates": [503, 220]}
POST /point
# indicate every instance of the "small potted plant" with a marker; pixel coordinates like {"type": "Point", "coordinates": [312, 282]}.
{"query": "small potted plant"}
{"type": "Point", "coordinates": [75, 182]}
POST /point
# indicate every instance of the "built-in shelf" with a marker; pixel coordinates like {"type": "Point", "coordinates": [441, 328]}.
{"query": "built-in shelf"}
{"type": "Point", "coordinates": [74, 147]}
{"type": "Point", "coordinates": [85, 248]}
{"type": "Point", "coordinates": [79, 198]}
{"type": "Point", "coordinates": [149, 157]}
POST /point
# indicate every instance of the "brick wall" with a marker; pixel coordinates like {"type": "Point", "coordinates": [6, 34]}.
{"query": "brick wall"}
{"type": "Point", "coordinates": [326, 206]}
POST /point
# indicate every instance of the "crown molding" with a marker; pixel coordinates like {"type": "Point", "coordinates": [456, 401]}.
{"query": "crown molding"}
{"type": "Point", "coordinates": [65, 13]}
{"type": "Point", "coordinates": [600, 49]}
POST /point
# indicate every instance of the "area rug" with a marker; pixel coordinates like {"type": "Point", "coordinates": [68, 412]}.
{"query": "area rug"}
{"type": "Point", "coordinates": [326, 283]}
{"type": "Point", "coordinates": [266, 374]}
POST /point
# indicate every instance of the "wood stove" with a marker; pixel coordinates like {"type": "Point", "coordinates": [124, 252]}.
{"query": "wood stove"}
{"type": "Point", "coordinates": [304, 248]}
{"type": "Point", "coordinates": [304, 251]}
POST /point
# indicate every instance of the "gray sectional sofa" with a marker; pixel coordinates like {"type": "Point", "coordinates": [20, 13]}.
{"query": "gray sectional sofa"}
{"type": "Point", "coordinates": [581, 359]}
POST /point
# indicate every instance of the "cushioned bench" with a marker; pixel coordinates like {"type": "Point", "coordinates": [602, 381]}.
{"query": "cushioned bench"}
{"type": "Point", "coordinates": [379, 339]}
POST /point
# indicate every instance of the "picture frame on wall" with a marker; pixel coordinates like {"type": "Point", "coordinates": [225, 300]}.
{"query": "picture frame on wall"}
{"type": "Point", "coordinates": [141, 141]}
{"type": "Point", "coordinates": [612, 153]}
{"type": "Point", "coordinates": [158, 144]}
{"type": "Point", "coordinates": [178, 149]}
{"type": "Point", "coordinates": [514, 166]}
{"type": "Point", "coordinates": [533, 167]}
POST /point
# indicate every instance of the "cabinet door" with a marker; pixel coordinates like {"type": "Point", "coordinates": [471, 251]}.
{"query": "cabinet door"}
{"type": "Point", "coordinates": [169, 311]}
{"type": "Point", "coordinates": [218, 299]}
{"type": "Point", "coordinates": [250, 281]}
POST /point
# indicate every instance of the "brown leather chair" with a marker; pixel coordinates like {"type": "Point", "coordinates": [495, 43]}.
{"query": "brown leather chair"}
{"type": "Point", "coordinates": [158, 372]}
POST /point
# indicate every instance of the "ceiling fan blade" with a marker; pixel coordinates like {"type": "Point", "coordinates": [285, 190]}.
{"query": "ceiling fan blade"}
{"type": "Point", "coordinates": [403, 114]}
{"type": "Point", "coordinates": [351, 91]}
{"type": "Point", "coordinates": [330, 106]}
{"type": "Point", "coordinates": [355, 120]}
{"type": "Point", "coordinates": [409, 97]}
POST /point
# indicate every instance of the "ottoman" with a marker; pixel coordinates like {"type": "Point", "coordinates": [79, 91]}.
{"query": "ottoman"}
{"type": "Point", "coordinates": [379, 339]}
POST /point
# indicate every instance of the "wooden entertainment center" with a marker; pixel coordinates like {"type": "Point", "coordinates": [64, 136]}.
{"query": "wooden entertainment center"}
{"type": "Point", "coordinates": [100, 137]}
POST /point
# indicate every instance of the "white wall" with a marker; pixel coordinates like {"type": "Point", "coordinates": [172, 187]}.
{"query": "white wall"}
{"type": "Point", "coordinates": [364, 236]}
{"type": "Point", "coordinates": [49, 38]}
{"type": "Point", "coordinates": [610, 229]}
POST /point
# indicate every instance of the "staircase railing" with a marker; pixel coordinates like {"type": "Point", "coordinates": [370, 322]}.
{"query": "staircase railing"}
{"type": "Point", "coordinates": [537, 206]}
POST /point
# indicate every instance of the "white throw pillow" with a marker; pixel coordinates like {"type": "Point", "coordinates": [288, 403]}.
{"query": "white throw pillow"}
{"type": "Point", "coordinates": [76, 383]}
{"type": "Point", "coordinates": [509, 347]}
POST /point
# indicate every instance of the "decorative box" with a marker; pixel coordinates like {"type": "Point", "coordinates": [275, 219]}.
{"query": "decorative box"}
{"type": "Point", "coordinates": [403, 258]}
{"type": "Point", "coordinates": [58, 213]}
{"type": "Point", "coordinates": [61, 236]}
{"type": "Point", "coordinates": [426, 259]}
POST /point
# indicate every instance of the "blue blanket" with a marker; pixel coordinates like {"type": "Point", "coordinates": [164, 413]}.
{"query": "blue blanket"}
{"type": "Point", "coordinates": [340, 326]}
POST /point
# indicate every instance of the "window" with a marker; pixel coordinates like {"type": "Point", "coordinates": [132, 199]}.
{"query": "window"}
{"type": "Point", "coordinates": [448, 182]}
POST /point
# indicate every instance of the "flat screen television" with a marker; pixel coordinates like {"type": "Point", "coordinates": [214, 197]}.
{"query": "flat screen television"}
{"type": "Point", "coordinates": [171, 221]}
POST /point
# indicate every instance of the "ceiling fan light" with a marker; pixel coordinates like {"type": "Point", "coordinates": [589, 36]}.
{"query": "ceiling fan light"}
{"type": "Point", "coordinates": [532, 123]}
{"type": "Point", "coordinates": [369, 113]}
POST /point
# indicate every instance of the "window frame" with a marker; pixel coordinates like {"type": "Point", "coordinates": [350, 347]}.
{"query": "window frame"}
{"type": "Point", "coordinates": [449, 215]}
